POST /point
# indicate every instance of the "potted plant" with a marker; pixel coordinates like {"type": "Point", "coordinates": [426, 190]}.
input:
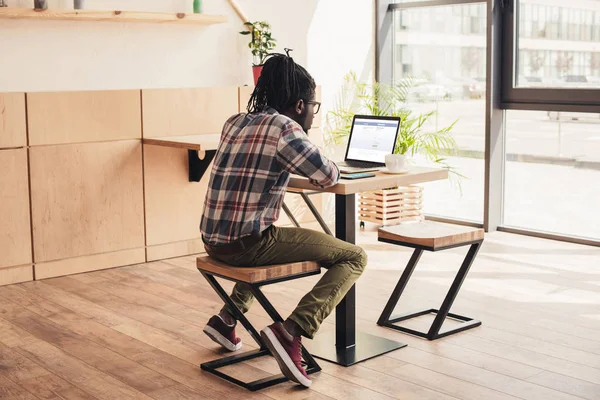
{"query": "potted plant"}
{"type": "Point", "coordinates": [260, 44]}
{"type": "Point", "coordinates": [414, 138]}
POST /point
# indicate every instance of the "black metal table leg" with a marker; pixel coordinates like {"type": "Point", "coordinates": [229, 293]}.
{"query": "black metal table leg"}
{"type": "Point", "coordinates": [315, 213]}
{"type": "Point", "coordinates": [345, 346]}
{"type": "Point", "coordinates": [289, 214]}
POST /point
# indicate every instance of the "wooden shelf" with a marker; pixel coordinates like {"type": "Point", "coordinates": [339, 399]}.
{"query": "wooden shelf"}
{"type": "Point", "coordinates": [201, 150]}
{"type": "Point", "coordinates": [193, 142]}
{"type": "Point", "coordinates": [114, 16]}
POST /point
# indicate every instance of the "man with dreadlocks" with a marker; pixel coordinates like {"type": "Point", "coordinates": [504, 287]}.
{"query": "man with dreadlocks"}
{"type": "Point", "coordinates": [257, 153]}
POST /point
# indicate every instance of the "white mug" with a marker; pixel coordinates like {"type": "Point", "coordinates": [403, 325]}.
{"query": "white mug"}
{"type": "Point", "coordinates": [395, 162]}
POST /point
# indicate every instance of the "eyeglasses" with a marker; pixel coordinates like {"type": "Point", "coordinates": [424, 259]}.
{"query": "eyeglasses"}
{"type": "Point", "coordinates": [317, 105]}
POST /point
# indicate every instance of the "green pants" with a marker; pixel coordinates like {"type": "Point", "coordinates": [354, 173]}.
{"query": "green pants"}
{"type": "Point", "coordinates": [344, 262]}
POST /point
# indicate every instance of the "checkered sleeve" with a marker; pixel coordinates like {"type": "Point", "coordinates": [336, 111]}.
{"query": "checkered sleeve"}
{"type": "Point", "coordinates": [298, 155]}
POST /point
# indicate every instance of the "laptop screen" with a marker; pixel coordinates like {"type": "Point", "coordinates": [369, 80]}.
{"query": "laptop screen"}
{"type": "Point", "coordinates": [371, 139]}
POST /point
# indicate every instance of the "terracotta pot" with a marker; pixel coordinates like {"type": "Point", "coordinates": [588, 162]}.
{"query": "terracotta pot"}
{"type": "Point", "coordinates": [256, 70]}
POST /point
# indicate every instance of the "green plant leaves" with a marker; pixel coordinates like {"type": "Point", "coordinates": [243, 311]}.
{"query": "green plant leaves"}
{"type": "Point", "coordinates": [414, 136]}
{"type": "Point", "coordinates": [262, 41]}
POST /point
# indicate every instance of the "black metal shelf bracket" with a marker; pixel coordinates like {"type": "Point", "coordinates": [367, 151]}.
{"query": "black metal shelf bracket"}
{"type": "Point", "coordinates": [198, 162]}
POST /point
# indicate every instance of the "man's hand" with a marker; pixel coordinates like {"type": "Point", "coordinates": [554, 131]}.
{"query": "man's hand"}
{"type": "Point", "coordinates": [316, 183]}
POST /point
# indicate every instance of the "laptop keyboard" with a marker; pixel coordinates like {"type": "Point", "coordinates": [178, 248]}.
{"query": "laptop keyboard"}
{"type": "Point", "coordinates": [359, 164]}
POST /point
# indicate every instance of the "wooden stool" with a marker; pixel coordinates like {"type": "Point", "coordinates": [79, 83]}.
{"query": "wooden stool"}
{"type": "Point", "coordinates": [254, 278]}
{"type": "Point", "coordinates": [431, 236]}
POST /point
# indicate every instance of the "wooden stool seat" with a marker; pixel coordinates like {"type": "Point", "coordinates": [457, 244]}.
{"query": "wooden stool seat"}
{"type": "Point", "coordinates": [432, 235]}
{"type": "Point", "coordinates": [255, 278]}
{"type": "Point", "coordinates": [255, 274]}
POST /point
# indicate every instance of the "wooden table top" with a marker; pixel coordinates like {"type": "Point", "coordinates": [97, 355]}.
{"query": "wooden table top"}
{"type": "Point", "coordinates": [379, 181]}
{"type": "Point", "coordinates": [209, 141]}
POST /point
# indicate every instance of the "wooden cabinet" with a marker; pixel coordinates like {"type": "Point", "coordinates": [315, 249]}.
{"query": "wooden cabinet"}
{"type": "Point", "coordinates": [173, 204]}
{"type": "Point", "coordinates": [87, 200]}
{"type": "Point", "coordinates": [15, 227]}
{"type": "Point", "coordinates": [180, 112]}
{"type": "Point", "coordinates": [99, 197]}
{"type": "Point", "coordinates": [77, 117]}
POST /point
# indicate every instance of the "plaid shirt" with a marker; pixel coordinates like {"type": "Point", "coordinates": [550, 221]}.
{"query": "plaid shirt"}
{"type": "Point", "coordinates": [251, 171]}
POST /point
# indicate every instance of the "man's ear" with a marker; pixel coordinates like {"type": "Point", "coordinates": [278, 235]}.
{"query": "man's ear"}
{"type": "Point", "coordinates": [300, 107]}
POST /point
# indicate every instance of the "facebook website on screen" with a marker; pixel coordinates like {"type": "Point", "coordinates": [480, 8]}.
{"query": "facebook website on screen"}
{"type": "Point", "coordinates": [372, 139]}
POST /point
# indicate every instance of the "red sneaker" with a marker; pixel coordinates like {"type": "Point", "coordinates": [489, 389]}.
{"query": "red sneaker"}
{"type": "Point", "coordinates": [287, 350]}
{"type": "Point", "coordinates": [221, 333]}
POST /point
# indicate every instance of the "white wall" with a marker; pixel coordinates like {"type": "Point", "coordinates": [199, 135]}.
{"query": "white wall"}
{"type": "Point", "coordinates": [329, 37]}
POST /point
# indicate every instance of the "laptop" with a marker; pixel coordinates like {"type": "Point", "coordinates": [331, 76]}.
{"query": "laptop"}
{"type": "Point", "coordinates": [371, 138]}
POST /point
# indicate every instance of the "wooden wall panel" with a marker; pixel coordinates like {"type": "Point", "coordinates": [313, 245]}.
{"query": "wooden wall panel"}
{"type": "Point", "coordinates": [173, 204]}
{"type": "Point", "coordinates": [245, 93]}
{"type": "Point", "coordinates": [86, 199]}
{"type": "Point", "coordinates": [15, 228]}
{"type": "Point", "coordinates": [12, 120]}
{"type": "Point", "coordinates": [23, 273]}
{"type": "Point", "coordinates": [177, 249]}
{"type": "Point", "coordinates": [179, 112]}
{"type": "Point", "coordinates": [76, 117]}
{"type": "Point", "coordinates": [94, 262]}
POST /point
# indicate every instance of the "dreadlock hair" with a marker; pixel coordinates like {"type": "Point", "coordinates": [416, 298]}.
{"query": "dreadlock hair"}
{"type": "Point", "coordinates": [281, 84]}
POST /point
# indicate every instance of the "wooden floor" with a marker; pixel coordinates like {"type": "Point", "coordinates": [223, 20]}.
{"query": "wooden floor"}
{"type": "Point", "coordinates": [135, 332]}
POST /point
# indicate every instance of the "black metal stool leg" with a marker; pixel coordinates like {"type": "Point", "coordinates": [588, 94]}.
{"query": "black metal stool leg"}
{"type": "Point", "coordinates": [393, 301]}
{"type": "Point", "coordinates": [444, 312]}
{"type": "Point", "coordinates": [312, 365]}
{"type": "Point", "coordinates": [213, 366]}
{"type": "Point", "coordinates": [434, 330]}
{"type": "Point", "coordinates": [238, 315]}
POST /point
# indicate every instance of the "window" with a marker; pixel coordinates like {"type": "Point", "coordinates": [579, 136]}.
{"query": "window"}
{"type": "Point", "coordinates": [548, 53]}
{"type": "Point", "coordinates": [552, 174]}
{"type": "Point", "coordinates": [546, 76]}
{"type": "Point", "coordinates": [446, 56]}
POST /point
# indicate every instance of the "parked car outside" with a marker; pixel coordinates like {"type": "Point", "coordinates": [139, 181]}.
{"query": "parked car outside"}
{"type": "Point", "coordinates": [474, 88]}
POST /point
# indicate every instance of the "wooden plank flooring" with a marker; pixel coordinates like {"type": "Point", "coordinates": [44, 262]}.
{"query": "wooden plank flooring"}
{"type": "Point", "coordinates": [136, 332]}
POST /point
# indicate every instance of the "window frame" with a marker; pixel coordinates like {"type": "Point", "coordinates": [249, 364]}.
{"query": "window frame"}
{"type": "Point", "coordinates": [542, 99]}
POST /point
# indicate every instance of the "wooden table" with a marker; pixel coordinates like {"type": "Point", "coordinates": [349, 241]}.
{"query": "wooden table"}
{"type": "Point", "coordinates": [346, 346]}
